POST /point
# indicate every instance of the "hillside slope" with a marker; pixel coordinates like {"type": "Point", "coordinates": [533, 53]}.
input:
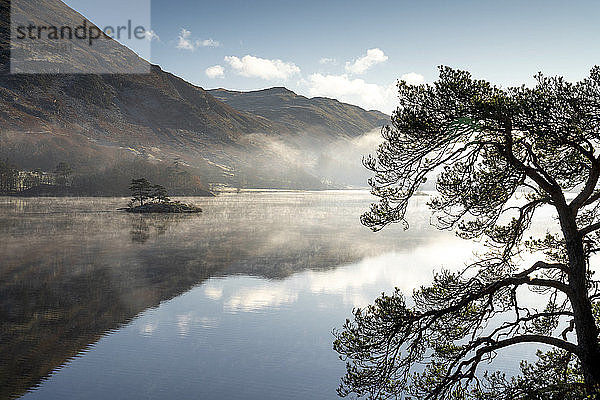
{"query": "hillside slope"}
{"type": "Point", "coordinates": [138, 108]}
{"type": "Point", "coordinates": [301, 114]}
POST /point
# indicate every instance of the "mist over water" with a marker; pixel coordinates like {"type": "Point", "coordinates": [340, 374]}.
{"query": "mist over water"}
{"type": "Point", "coordinates": [335, 161]}
{"type": "Point", "coordinates": [238, 302]}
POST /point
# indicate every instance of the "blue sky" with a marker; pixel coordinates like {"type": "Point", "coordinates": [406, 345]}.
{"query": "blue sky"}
{"type": "Point", "coordinates": [312, 47]}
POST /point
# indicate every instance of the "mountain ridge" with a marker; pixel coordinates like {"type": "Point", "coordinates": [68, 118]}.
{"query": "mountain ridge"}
{"type": "Point", "coordinates": [301, 113]}
{"type": "Point", "coordinates": [91, 120]}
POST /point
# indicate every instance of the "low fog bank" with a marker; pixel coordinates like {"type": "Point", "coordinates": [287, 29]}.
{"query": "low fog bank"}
{"type": "Point", "coordinates": [333, 163]}
{"type": "Point", "coordinates": [307, 160]}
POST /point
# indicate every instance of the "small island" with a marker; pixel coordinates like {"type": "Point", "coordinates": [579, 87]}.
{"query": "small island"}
{"type": "Point", "coordinates": [154, 199]}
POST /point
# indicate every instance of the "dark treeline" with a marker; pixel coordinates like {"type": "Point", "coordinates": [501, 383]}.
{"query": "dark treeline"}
{"type": "Point", "coordinates": [9, 177]}
{"type": "Point", "coordinates": [114, 180]}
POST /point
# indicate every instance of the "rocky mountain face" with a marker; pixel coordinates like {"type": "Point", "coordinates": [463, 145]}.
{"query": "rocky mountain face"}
{"type": "Point", "coordinates": [91, 120]}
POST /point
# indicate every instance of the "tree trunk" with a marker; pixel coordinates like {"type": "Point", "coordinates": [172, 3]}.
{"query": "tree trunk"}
{"type": "Point", "coordinates": [585, 324]}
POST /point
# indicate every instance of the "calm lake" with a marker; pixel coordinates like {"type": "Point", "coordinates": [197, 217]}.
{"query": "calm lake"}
{"type": "Point", "coordinates": [235, 303]}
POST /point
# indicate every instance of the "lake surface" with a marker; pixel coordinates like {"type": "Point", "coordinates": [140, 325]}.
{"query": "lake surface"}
{"type": "Point", "coordinates": [235, 303]}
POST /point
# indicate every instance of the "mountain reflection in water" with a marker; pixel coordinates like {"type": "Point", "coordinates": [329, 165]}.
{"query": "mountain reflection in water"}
{"type": "Point", "coordinates": [75, 270]}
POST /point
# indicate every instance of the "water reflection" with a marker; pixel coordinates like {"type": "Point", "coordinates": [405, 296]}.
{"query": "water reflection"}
{"type": "Point", "coordinates": [143, 227]}
{"type": "Point", "coordinates": [270, 266]}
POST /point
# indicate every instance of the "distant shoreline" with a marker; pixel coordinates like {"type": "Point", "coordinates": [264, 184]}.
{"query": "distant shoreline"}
{"type": "Point", "coordinates": [57, 191]}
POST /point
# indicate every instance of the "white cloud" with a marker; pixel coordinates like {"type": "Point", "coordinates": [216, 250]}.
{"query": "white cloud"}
{"type": "Point", "coordinates": [210, 43]}
{"type": "Point", "coordinates": [216, 71]}
{"type": "Point", "coordinates": [255, 67]}
{"type": "Point", "coordinates": [362, 64]}
{"type": "Point", "coordinates": [148, 329]}
{"type": "Point", "coordinates": [326, 60]}
{"type": "Point", "coordinates": [354, 91]}
{"type": "Point", "coordinates": [185, 41]}
{"type": "Point", "coordinates": [261, 297]}
{"type": "Point", "coordinates": [213, 293]}
{"type": "Point", "coordinates": [208, 322]}
{"type": "Point", "coordinates": [151, 35]}
{"type": "Point", "coordinates": [183, 323]}
{"type": "Point", "coordinates": [412, 78]}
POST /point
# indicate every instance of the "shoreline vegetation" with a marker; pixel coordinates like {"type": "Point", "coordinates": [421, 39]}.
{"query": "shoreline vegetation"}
{"type": "Point", "coordinates": [154, 199]}
{"type": "Point", "coordinates": [66, 181]}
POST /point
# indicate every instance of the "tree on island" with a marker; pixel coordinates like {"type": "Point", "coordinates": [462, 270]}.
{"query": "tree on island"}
{"type": "Point", "coordinates": [500, 155]}
{"type": "Point", "coordinates": [141, 190]}
{"type": "Point", "coordinates": [159, 201]}
{"type": "Point", "coordinates": [159, 193]}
